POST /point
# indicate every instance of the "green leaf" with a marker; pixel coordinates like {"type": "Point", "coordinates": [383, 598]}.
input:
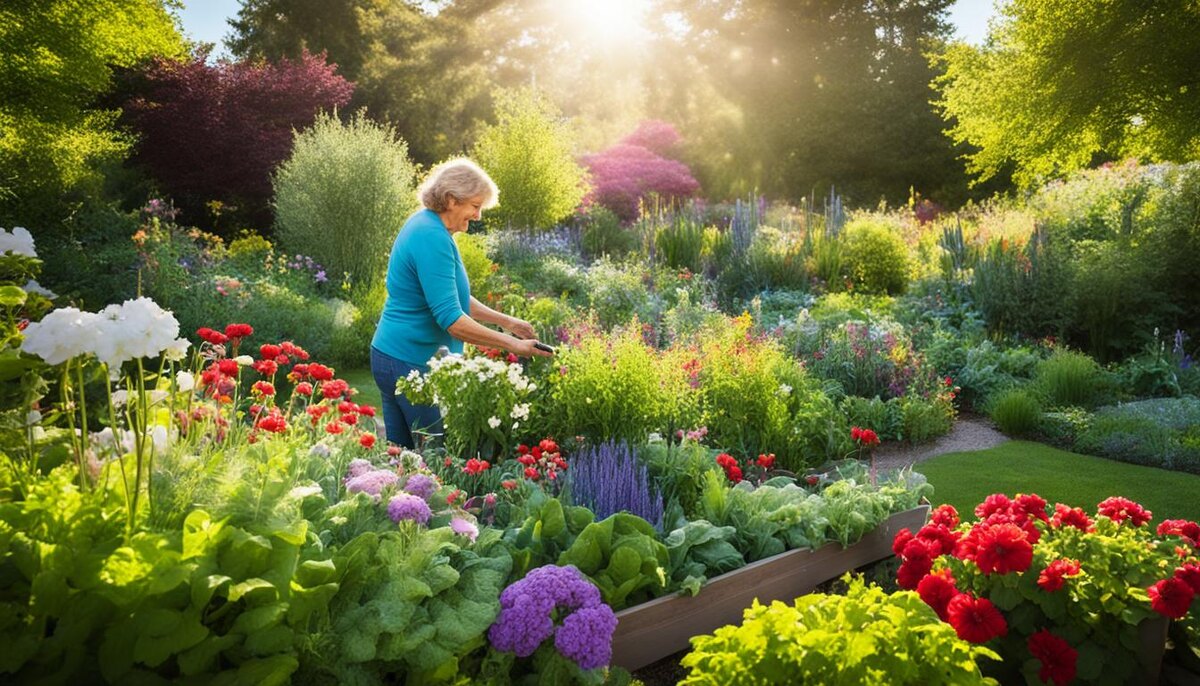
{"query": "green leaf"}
{"type": "Point", "coordinates": [12, 296]}
{"type": "Point", "coordinates": [316, 572]}
{"type": "Point", "coordinates": [255, 591]}
{"type": "Point", "coordinates": [202, 657]}
{"type": "Point", "coordinates": [259, 618]}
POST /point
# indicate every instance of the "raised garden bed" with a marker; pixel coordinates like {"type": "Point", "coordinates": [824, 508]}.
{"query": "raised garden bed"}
{"type": "Point", "coordinates": [653, 630]}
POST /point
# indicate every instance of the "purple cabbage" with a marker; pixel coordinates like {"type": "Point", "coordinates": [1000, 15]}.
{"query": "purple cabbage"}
{"type": "Point", "coordinates": [608, 478]}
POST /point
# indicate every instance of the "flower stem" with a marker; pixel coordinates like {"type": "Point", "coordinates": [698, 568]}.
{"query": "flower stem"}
{"type": "Point", "coordinates": [83, 419]}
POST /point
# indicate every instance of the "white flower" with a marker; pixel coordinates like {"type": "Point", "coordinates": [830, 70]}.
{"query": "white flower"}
{"type": "Point", "coordinates": [494, 422]}
{"type": "Point", "coordinates": [785, 389]}
{"type": "Point", "coordinates": [19, 242]}
{"type": "Point", "coordinates": [133, 329]}
{"type": "Point", "coordinates": [37, 289]}
{"type": "Point", "coordinates": [177, 350]}
{"type": "Point", "coordinates": [184, 381]}
{"type": "Point", "coordinates": [244, 360]}
{"type": "Point", "coordinates": [33, 417]}
{"type": "Point", "coordinates": [157, 396]}
{"type": "Point", "coordinates": [61, 335]}
{"type": "Point", "coordinates": [161, 438]}
{"type": "Point", "coordinates": [119, 398]}
{"type": "Point", "coordinates": [520, 411]}
{"type": "Point", "coordinates": [319, 450]}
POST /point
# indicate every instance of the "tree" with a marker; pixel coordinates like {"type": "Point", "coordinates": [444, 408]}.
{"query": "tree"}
{"type": "Point", "coordinates": [625, 175]}
{"type": "Point", "coordinates": [1065, 84]}
{"type": "Point", "coordinates": [528, 153]}
{"type": "Point", "coordinates": [274, 29]}
{"type": "Point", "coordinates": [56, 59]}
{"type": "Point", "coordinates": [216, 132]}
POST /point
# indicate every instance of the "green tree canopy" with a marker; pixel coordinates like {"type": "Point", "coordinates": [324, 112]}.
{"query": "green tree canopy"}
{"type": "Point", "coordinates": [529, 154]}
{"type": "Point", "coordinates": [1063, 84]}
{"type": "Point", "coordinates": [56, 59]}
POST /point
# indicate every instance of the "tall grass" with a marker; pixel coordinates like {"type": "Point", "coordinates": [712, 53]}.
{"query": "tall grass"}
{"type": "Point", "coordinates": [1069, 378]}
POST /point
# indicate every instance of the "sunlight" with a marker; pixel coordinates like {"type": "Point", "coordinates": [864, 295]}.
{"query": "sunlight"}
{"type": "Point", "coordinates": [607, 21]}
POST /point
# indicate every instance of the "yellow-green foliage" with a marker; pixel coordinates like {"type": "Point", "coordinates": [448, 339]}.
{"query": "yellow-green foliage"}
{"type": "Point", "coordinates": [474, 256]}
{"type": "Point", "coordinates": [875, 256]}
{"type": "Point", "coordinates": [864, 637]}
{"type": "Point", "coordinates": [249, 243]}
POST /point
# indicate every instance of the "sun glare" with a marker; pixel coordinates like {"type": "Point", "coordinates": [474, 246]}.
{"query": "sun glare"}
{"type": "Point", "coordinates": [608, 21]}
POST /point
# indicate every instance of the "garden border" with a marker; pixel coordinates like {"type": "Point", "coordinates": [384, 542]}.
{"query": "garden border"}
{"type": "Point", "coordinates": [655, 629]}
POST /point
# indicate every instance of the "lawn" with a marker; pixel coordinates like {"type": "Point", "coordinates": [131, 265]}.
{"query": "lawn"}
{"type": "Point", "coordinates": [965, 479]}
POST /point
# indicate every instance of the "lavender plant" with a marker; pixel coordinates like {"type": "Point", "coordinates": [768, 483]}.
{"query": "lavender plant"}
{"type": "Point", "coordinates": [608, 478]}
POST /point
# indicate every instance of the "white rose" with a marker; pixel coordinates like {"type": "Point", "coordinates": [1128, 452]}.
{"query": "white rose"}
{"type": "Point", "coordinates": [184, 381]}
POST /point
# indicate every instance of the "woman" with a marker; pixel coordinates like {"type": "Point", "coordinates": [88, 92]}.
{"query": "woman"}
{"type": "Point", "coordinates": [429, 302]}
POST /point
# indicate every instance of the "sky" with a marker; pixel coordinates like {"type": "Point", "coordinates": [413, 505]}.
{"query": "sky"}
{"type": "Point", "coordinates": [204, 20]}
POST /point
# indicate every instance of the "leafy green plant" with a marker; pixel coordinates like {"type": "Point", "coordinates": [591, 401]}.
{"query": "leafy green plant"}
{"type": "Point", "coordinates": [925, 419]}
{"type": "Point", "coordinates": [698, 550]}
{"type": "Point", "coordinates": [861, 637]}
{"type": "Point", "coordinates": [678, 241]}
{"type": "Point", "coordinates": [875, 256]}
{"type": "Point", "coordinates": [623, 557]}
{"type": "Point", "coordinates": [345, 186]}
{"type": "Point", "coordinates": [528, 152]}
{"type": "Point", "coordinates": [1160, 433]}
{"type": "Point", "coordinates": [1016, 411]}
{"type": "Point", "coordinates": [885, 418]}
{"type": "Point", "coordinates": [617, 294]}
{"type": "Point", "coordinates": [603, 234]}
{"type": "Point", "coordinates": [1069, 378]}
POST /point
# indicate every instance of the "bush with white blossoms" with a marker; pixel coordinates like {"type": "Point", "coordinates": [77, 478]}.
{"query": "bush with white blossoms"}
{"type": "Point", "coordinates": [483, 401]}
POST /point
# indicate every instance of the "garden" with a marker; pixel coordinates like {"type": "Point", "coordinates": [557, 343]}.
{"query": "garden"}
{"type": "Point", "coordinates": [697, 486]}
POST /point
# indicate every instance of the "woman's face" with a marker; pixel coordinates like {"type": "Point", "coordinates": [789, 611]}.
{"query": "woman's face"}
{"type": "Point", "coordinates": [460, 213]}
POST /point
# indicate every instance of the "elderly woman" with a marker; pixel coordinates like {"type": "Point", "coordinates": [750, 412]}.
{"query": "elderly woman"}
{"type": "Point", "coordinates": [429, 302]}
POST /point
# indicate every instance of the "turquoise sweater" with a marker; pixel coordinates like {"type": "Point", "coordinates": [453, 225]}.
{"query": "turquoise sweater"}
{"type": "Point", "coordinates": [427, 291]}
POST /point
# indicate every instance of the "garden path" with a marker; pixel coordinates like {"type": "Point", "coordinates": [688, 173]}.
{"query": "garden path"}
{"type": "Point", "coordinates": [969, 433]}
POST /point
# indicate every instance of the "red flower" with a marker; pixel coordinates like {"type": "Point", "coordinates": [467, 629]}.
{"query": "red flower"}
{"type": "Point", "coordinates": [319, 372]}
{"type": "Point", "coordinates": [1171, 597]}
{"type": "Point", "coordinates": [734, 474]}
{"type": "Point", "coordinates": [1119, 509]}
{"type": "Point", "coordinates": [511, 358]}
{"type": "Point", "coordinates": [902, 538]}
{"type": "Point", "coordinates": [1180, 527]}
{"type": "Point", "coordinates": [210, 336]}
{"type": "Point", "coordinates": [1190, 575]}
{"type": "Point", "coordinates": [263, 388]}
{"type": "Point", "coordinates": [269, 351]}
{"type": "Point", "coordinates": [536, 452]}
{"type": "Point", "coordinates": [939, 534]}
{"type": "Point", "coordinates": [766, 461]}
{"type": "Point", "coordinates": [1070, 516]}
{"type": "Point", "coordinates": [294, 350]}
{"type": "Point", "coordinates": [316, 412]}
{"type": "Point", "coordinates": [527, 460]}
{"type": "Point", "coordinates": [975, 619]}
{"type": "Point", "coordinates": [304, 388]}
{"type": "Point", "coordinates": [531, 473]}
{"type": "Point", "coordinates": [911, 572]}
{"type": "Point", "coordinates": [266, 367]}
{"type": "Point", "coordinates": [228, 367]}
{"type": "Point", "coordinates": [1002, 548]}
{"type": "Point", "coordinates": [937, 590]}
{"type": "Point", "coordinates": [855, 433]}
{"type": "Point", "coordinates": [346, 407]}
{"type": "Point", "coordinates": [476, 466]}
{"type": "Point", "coordinates": [812, 479]}
{"type": "Point", "coordinates": [393, 450]}
{"type": "Point", "coordinates": [1052, 578]}
{"type": "Point", "coordinates": [522, 449]}
{"type": "Point", "coordinates": [454, 495]}
{"type": "Point", "coordinates": [725, 460]}
{"type": "Point", "coordinates": [548, 445]}
{"type": "Point", "coordinates": [509, 485]}
{"type": "Point", "coordinates": [274, 423]}
{"type": "Point", "coordinates": [348, 419]}
{"type": "Point", "coordinates": [996, 502]}
{"type": "Point", "coordinates": [334, 428]}
{"type": "Point", "coordinates": [366, 440]}
{"type": "Point", "coordinates": [1031, 505]}
{"type": "Point", "coordinates": [239, 331]}
{"type": "Point", "coordinates": [1056, 655]}
{"type": "Point", "coordinates": [334, 389]}
{"type": "Point", "coordinates": [945, 515]}
{"type": "Point", "coordinates": [366, 410]}
{"type": "Point", "coordinates": [299, 371]}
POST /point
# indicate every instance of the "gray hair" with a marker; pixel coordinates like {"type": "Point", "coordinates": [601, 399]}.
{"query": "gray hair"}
{"type": "Point", "coordinates": [459, 178]}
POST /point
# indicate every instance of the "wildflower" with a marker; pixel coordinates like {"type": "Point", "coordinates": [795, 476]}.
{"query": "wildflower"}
{"type": "Point", "coordinates": [1052, 578]}
{"type": "Point", "coordinates": [1057, 656]}
{"type": "Point", "coordinates": [494, 422]}
{"type": "Point", "coordinates": [405, 506]}
{"type": "Point", "coordinates": [975, 619]}
{"type": "Point", "coordinates": [1171, 597]}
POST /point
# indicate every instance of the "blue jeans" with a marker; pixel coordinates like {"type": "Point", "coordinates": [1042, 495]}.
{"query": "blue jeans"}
{"type": "Point", "coordinates": [401, 419]}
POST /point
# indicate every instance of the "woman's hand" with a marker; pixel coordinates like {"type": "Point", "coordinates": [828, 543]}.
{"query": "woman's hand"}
{"type": "Point", "coordinates": [527, 348]}
{"type": "Point", "coordinates": [520, 328]}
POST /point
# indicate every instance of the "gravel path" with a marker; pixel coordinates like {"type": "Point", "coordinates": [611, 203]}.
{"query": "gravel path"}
{"type": "Point", "coordinates": [969, 433]}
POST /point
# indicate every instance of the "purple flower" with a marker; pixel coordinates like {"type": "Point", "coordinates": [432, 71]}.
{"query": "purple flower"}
{"type": "Point", "coordinates": [526, 617]}
{"type": "Point", "coordinates": [358, 467]}
{"type": "Point", "coordinates": [421, 485]}
{"type": "Point", "coordinates": [407, 506]}
{"type": "Point", "coordinates": [586, 636]}
{"type": "Point", "coordinates": [320, 277]}
{"type": "Point", "coordinates": [464, 528]}
{"type": "Point", "coordinates": [372, 482]}
{"type": "Point", "coordinates": [608, 478]}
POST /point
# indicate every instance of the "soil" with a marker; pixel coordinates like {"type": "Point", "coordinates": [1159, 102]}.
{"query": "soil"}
{"type": "Point", "coordinates": [969, 433]}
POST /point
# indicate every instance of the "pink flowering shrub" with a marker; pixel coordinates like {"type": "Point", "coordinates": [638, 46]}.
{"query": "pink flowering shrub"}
{"type": "Point", "coordinates": [637, 166]}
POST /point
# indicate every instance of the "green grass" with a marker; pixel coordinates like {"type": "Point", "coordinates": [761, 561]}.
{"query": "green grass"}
{"type": "Point", "coordinates": [965, 479]}
{"type": "Point", "coordinates": [361, 379]}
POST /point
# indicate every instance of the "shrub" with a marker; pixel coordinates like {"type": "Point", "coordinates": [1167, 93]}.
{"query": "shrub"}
{"type": "Point", "coordinates": [885, 418]}
{"type": "Point", "coordinates": [861, 637]}
{"type": "Point", "coordinates": [627, 174]}
{"type": "Point", "coordinates": [1069, 378]}
{"type": "Point", "coordinates": [1016, 411]}
{"type": "Point", "coordinates": [678, 242]}
{"type": "Point", "coordinates": [602, 234]}
{"type": "Point", "coordinates": [558, 277]}
{"type": "Point", "coordinates": [479, 268]}
{"type": "Point", "coordinates": [875, 257]}
{"type": "Point", "coordinates": [617, 294]}
{"type": "Point", "coordinates": [1159, 433]}
{"type": "Point", "coordinates": [343, 194]}
{"type": "Point", "coordinates": [528, 154]}
{"type": "Point", "coordinates": [549, 316]}
{"type": "Point", "coordinates": [871, 359]}
{"type": "Point", "coordinates": [775, 261]}
{"type": "Point", "coordinates": [924, 419]}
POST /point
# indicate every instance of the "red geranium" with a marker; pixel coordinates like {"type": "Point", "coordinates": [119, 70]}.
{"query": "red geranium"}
{"type": "Point", "coordinates": [937, 590]}
{"type": "Point", "coordinates": [210, 336]}
{"type": "Point", "coordinates": [766, 461]}
{"type": "Point", "coordinates": [266, 367]}
{"type": "Point", "coordinates": [366, 440]}
{"type": "Point", "coordinates": [294, 350]}
{"type": "Point", "coordinates": [531, 473]}
{"type": "Point", "coordinates": [274, 423]}
{"type": "Point", "coordinates": [865, 437]}
{"type": "Point", "coordinates": [1031, 505]}
{"type": "Point", "coordinates": [940, 534]}
{"type": "Point", "coordinates": [1070, 516]}
{"type": "Point", "coordinates": [945, 515]}
{"type": "Point", "coordinates": [1057, 656]}
{"type": "Point", "coordinates": [975, 619]}
{"type": "Point", "coordinates": [304, 388]}
{"type": "Point", "coordinates": [269, 351]}
{"type": "Point", "coordinates": [334, 389]}
{"type": "Point", "coordinates": [334, 428]}
{"type": "Point", "coordinates": [1171, 597]}
{"type": "Point", "coordinates": [239, 331]}
{"type": "Point", "coordinates": [734, 474]}
{"type": "Point", "coordinates": [1180, 527]}
{"type": "Point", "coordinates": [263, 388]}
{"type": "Point", "coordinates": [366, 410]}
{"type": "Point", "coordinates": [993, 504]}
{"type": "Point", "coordinates": [319, 372]}
{"type": "Point", "coordinates": [902, 538]}
{"type": "Point", "coordinates": [476, 466]}
{"type": "Point", "coordinates": [918, 555]}
{"type": "Point", "coordinates": [1119, 509]}
{"type": "Point", "coordinates": [1190, 575]}
{"type": "Point", "coordinates": [1052, 578]}
{"type": "Point", "coordinates": [228, 367]}
{"type": "Point", "coordinates": [1002, 548]}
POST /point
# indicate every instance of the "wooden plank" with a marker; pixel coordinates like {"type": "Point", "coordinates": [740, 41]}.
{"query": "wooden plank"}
{"type": "Point", "coordinates": [653, 630]}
